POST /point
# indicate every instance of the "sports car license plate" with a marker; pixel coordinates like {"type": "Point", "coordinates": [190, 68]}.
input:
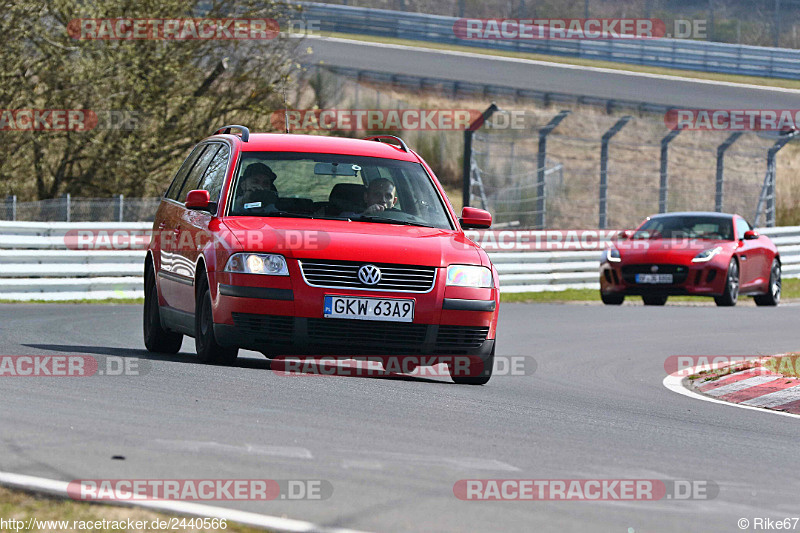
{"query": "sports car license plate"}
{"type": "Point", "coordinates": [653, 278]}
{"type": "Point", "coordinates": [388, 309]}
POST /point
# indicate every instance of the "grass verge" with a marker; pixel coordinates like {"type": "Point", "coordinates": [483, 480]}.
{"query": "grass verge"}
{"type": "Point", "coordinates": [712, 76]}
{"type": "Point", "coordinates": [23, 506]}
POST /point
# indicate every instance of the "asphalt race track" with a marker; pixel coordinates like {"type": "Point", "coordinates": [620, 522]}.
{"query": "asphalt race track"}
{"type": "Point", "coordinates": [539, 76]}
{"type": "Point", "coordinates": [393, 448]}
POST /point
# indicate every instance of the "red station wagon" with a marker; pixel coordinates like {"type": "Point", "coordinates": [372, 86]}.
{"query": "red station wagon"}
{"type": "Point", "coordinates": [299, 244]}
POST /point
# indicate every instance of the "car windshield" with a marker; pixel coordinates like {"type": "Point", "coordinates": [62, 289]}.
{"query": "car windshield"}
{"type": "Point", "coordinates": [362, 189]}
{"type": "Point", "coordinates": [686, 227]}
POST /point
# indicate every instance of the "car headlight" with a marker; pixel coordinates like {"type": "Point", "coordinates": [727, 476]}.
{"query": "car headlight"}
{"type": "Point", "coordinates": [706, 255]}
{"type": "Point", "coordinates": [612, 256]}
{"type": "Point", "coordinates": [269, 264]}
{"type": "Point", "coordinates": [469, 276]}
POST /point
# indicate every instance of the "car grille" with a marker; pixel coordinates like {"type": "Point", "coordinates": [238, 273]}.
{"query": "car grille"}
{"type": "Point", "coordinates": [272, 328]}
{"type": "Point", "coordinates": [679, 272]}
{"type": "Point", "coordinates": [456, 338]}
{"type": "Point", "coordinates": [367, 334]}
{"type": "Point", "coordinates": [344, 274]}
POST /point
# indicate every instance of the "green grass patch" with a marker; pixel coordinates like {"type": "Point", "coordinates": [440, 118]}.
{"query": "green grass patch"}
{"type": "Point", "coordinates": [752, 80]}
{"type": "Point", "coordinates": [21, 505]}
{"type": "Point", "coordinates": [119, 301]}
{"type": "Point", "coordinates": [787, 365]}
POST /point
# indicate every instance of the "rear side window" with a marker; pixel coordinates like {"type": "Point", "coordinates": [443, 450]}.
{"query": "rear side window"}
{"type": "Point", "coordinates": [180, 177]}
{"type": "Point", "coordinates": [215, 175]}
{"type": "Point", "coordinates": [193, 179]}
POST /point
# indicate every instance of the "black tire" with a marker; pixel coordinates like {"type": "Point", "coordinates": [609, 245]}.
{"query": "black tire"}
{"type": "Point", "coordinates": [156, 338]}
{"type": "Point", "coordinates": [773, 297]}
{"type": "Point", "coordinates": [654, 300]}
{"type": "Point", "coordinates": [731, 294]}
{"type": "Point", "coordinates": [481, 379]}
{"type": "Point", "coordinates": [612, 299]}
{"type": "Point", "coordinates": [205, 343]}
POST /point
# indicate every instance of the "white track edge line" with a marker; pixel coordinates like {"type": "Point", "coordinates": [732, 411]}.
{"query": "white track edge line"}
{"type": "Point", "coordinates": [674, 382]}
{"type": "Point", "coordinates": [59, 488]}
{"type": "Point", "coordinates": [665, 77]}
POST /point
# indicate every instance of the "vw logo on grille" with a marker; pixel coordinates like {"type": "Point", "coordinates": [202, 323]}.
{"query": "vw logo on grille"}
{"type": "Point", "coordinates": [369, 275]}
{"type": "Point", "coordinates": [654, 268]}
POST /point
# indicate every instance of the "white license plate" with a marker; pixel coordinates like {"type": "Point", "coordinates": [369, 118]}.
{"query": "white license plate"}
{"type": "Point", "coordinates": [387, 309]}
{"type": "Point", "coordinates": [653, 278]}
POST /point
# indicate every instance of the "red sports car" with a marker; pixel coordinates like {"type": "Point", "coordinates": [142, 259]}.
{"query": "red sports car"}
{"type": "Point", "coordinates": [699, 254]}
{"type": "Point", "coordinates": [317, 245]}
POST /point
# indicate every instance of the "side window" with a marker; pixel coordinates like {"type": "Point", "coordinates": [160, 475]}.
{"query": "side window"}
{"type": "Point", "coordinates": [177, 183]}
{"type": "Point", "coordinates": [741, 227]}
{"type": "Point", "coordinates": [193, 179]}
{"type": "Point", "coordinates": [215, 175]}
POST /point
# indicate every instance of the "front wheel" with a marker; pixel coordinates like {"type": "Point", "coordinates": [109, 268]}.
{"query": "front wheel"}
{"type": "Point", "coordinates": [208, 351]}
{"type": "Point", "coordinates": [731, 294]}
{"type": "Point", "coordinates": [612, 299]}
{"type": "Point", "coordinates": [773, 297]}
{"type": "Point", "coordinates": [156, 338]}
{"type": "Point", "coordinates": [482, 376]}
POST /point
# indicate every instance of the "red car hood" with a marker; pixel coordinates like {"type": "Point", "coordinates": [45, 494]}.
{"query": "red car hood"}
{"type": "Point", "coordinates": [341, 240]}
{"type": "Point", "coordinates": [680, 251]}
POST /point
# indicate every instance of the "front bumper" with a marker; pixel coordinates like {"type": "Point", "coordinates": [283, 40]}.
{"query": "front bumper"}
{"type": "Point", "coordinates": [695, 279]}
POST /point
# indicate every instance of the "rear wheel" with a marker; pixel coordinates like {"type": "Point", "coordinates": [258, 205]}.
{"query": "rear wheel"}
{"type": "Point", "coordinates": [156, 338]}
{"type": "Point", "coordinates": [481, 378]}
{"type": "Point", "coordinates": [612, 299]}
{"type": "Point", "coordinates": [208, 351]}
{"type": "Point", "coordinates": [773, 297]}
{"type": "Point", "coordinates": [654, 300]}
{"type": "Point", "coordinates": [731, 294]}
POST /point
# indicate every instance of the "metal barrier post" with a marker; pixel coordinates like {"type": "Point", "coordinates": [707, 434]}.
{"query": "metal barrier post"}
{"type": "Point", "coordinates": [541, 162]}
{"type": "Point", "coordinates": [466, 168]}
{"type": "Point", "coordinates": [603, 207]}
{"type": "Point", "coordinates": [121, 207]}
{"type": "Point", "coordinates": [663, 187]}
{"type": "Point", "coordinates": [721, 169]}
{"type": "Point", "coordinates": [768, 189]}
{"type": "Point", "coordinates": [67, 207]}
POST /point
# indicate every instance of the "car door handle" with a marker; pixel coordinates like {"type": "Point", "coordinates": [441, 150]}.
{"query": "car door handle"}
{"type": "Point", "coordinates": [744, 257]}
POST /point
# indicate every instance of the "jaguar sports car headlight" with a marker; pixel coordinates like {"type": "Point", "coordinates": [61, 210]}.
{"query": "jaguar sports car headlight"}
{"type": "Point", "coordinates": [469, 276]}
{"type": "Point", "coordinates": [269, 264]}
{"type": "Point", "coordinates": [706, 255]}
{"type": "Point", "coordinates": [612, 256]}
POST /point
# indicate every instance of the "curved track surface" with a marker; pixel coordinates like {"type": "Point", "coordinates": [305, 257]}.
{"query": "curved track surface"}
{"type": "Point", "coordinates": [393, 448]}
{"type": "Point", "coordinates": [543, 76]}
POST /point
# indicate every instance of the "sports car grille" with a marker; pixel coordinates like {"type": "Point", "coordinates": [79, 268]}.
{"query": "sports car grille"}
{"type": "Point", "coordinates": [679, 272]}
{"type": "Point", "coordinates": [344, 274]}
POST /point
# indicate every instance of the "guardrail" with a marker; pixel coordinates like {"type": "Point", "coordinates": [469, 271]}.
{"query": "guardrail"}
{"type": "Point", "coordinates": [675, 53]}
{"type": "Point", "coordinates": [35, 264]}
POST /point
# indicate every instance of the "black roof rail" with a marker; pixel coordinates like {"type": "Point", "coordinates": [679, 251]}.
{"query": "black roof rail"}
{"type": "Point", "coordinates": [227, 129]}
{"type": "Point", "coordinates": [381, 138]}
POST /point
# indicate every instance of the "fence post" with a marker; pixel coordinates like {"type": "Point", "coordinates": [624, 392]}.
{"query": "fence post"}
{"type": "Point", "coordinates": [466, 167]}
{"type": "Point", "coordinates": [121, 207]}
{"type": "Point", "coordinates": [541, 163]}
{"type": "Point", "coordinates": [663, 187]}
{"type": "Point", "coordinates": [768, 189]}
{"type": "Point", "coordinates": [603, 208]}
{"type": "Point", "coordinates": [67, 207]}
{"type": "Point", "coordinates": [721, 169]}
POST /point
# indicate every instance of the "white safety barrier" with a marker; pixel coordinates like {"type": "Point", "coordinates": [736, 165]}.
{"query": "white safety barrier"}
{"type": "Point", "coordinates": [36, 264]}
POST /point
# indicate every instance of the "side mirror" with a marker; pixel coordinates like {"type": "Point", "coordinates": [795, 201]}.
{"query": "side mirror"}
{"type": "Point", "coordinates": [200, 201]}
{"type": "Point", "coordinates": [750, 235]}
{"type": "Point", "coordinates": [625, 234]}
{"type": "Point", "coordinates": [474, 218]}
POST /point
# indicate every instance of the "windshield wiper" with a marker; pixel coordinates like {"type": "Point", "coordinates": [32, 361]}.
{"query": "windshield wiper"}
{"type": "Point", "coordinates": [381, 220]}
{"type": "Point", "coordinates": [287, 214]}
